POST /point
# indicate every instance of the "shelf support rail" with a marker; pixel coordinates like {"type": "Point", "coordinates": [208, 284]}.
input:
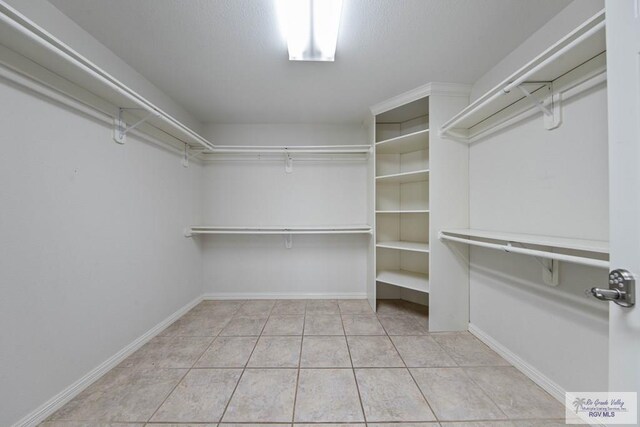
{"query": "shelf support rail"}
{"type": "Point", "coordinates": [509, 248]}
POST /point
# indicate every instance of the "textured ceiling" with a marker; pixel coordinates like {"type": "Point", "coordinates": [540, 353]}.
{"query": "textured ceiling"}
{"type": "Point", "coordinates": [226, 62]}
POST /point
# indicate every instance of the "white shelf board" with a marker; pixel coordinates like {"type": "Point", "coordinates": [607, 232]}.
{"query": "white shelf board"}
{"type": "Point", "coordinates": [321, 229]}
{"type": "Point", "coordinates": [291, 149]}
{"type": "Point", "coordinates": [403, 211]}
{"type": "Point", "coordinates": [597, 246]}
{"type": "Point", "coordinates": [404, 246]}
{"type": "Point", "coordinates": [404, 279]}
{"type": "Point", "coordinates": [576, 48]}
{"type": "Point", "coordinates": [405, 143]}
{"type": "Point", "coordinates": [23, 36]}
{"type": "Point", "coordinates": [402, 178]}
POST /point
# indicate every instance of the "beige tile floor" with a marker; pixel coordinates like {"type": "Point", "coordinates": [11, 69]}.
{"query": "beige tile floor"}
{"type": "Point", "coordinates": [304, 362]}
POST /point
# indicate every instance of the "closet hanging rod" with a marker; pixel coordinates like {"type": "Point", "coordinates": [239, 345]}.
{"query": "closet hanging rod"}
{"type": "Point", "coordinates": [527, 71]}
{"type": "Point", "coordinates": [525, 251]}
{"type": "Point", "coordinates": [33, 32]}
{"type": "Point", "coordinates": [320, 149]}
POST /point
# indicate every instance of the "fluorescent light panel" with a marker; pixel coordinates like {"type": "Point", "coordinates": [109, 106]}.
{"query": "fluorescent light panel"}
{"type": "Point", "coordinates": [310, 28]}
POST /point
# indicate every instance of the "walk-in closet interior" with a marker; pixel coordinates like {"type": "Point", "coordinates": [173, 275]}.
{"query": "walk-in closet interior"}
{"type": "Point", "coordinates": [404, 217]}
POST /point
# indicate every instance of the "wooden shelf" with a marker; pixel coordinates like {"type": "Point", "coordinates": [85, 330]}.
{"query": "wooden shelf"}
{"type": "Point", "coordinates": [403, 211]}
{"type": "Point", "coordinates": [404, 246]}
{"type": "Point", "coordinates": [403, 178]}
{"type": "Point", "coordinates": [404, 144]}
{"type": "Point", "coordinates": [580, 46]}
{"type": "Point", "coordinates": [597, 246]}
{"type": "Point", "coordinates": [328, 229]}
{"type": "Point", "coordinates": [404, 279]}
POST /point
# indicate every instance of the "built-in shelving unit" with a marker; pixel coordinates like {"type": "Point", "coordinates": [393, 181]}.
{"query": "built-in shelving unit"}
{"type": "Point", "coordinates": [402, 196]}
{"type": "Point", "coordinates": [549, 247]}
{"type": "Point", "coordinates": [576, 58]}
{"type": "Point", "coordinates": [412, 201]}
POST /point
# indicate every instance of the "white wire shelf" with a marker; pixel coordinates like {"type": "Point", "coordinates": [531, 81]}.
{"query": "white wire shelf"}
{"type": "Point", "coordinates": [281, 230]}
{"type": "Point", "coordinates": [404, 279]}
{"type": "Point", "coordinates": [404, 246]}
{"type": "Point", "coordinates": [405, 143]}
{"type": "Point", "coordinates": [470, 236]}
{"type": "Point", "coordinates": [547, 70]}
{"type": "Point", "coordinates": [24, 37]}
{"type": "Point", "coordinates": [403, 178]}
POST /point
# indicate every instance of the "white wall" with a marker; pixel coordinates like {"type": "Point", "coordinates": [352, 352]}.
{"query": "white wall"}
{"type": "Point", "coordinates": [529, 180]}
{"type": "Point", "coordinates": [259, 192]}
{"type": "Point", "coordinates": [92, 252]}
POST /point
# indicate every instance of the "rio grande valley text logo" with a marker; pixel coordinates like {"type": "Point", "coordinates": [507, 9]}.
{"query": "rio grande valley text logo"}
{"type": "Point", "coordinates": [609, 408]}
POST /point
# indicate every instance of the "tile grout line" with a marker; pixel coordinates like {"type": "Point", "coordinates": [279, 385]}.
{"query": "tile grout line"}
{"type": "Point", "coordinates": [188, 369]}
{"type": "Point", "coordinates": [295, 394]}
{"type": "Point", "coordinates": [353, 371]}
{"type": "Point", "coordinates": [414, 380]}
{"type": "Point", "coordinates": [244, 369]}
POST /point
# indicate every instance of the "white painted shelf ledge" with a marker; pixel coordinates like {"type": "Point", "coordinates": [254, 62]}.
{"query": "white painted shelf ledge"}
{"type": "Point", "coordinates": [280, 230]}
{"type": "Point", "coordinates": [471, 236]}
{"type": "Point", "coordinates": [404, 177]}
{"type": "Point", "coordinates": [404, 246]}
{"type": "Point", "coordinates": [405, 143]}
{"type": "Point", "coordinates": [577, 48]}
{"type": "Point", "coordinates": [404, 279]}
{"type": "Point", "coordinates": [290, 149]}
{"type": "Point", "coordinates": [403, 211]}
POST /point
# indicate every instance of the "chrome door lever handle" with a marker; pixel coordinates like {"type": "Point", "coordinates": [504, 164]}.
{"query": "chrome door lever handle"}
{"type": "Point", "coordinates": [605, 294]}
{"type": "Point", "coordinates": [621, 289]}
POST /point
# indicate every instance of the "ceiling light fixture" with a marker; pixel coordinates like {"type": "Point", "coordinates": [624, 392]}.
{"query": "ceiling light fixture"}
{"type": "Point", "coordinates": [310, 28]}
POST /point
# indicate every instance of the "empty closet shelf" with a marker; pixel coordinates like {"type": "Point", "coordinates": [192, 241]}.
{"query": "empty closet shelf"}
{"type": "Point", "coordinates": [404, 246]}
{"type": "Point", "coordinates": [555, 68]}
{"type": "Point", "coordinates": [404, 177]}
{"type": "Point", "coordinates": [332, 229]}
{"type": "Point", "coordinates": [404, 144]}
{"type": "Point", "coordinates": [402, 211]}
{"type": "Point", "coordinates": [545, 245]}
{"type": "Point", "coordinates": [404, 279]}
{"type": "Point", "coordinates": [90, 85]}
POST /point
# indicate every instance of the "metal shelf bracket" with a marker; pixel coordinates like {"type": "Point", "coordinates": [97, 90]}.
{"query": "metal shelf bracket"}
{"type": "Point", "coordinates": [288, 164]}
{"type": "Point", "coordinates": [550, 267]}
{"type": "Point", "coordinates": [121, 129]}
{"type": "Point", "coordinates": [551, 113]}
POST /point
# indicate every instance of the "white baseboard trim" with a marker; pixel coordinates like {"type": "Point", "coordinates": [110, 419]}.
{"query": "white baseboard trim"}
{"type": "Point", "coordinates": [59, 400]}
{"type": "Point", "coordinates": [536, 376]}
{"type": "Point", "coordinates": [271, 295]}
